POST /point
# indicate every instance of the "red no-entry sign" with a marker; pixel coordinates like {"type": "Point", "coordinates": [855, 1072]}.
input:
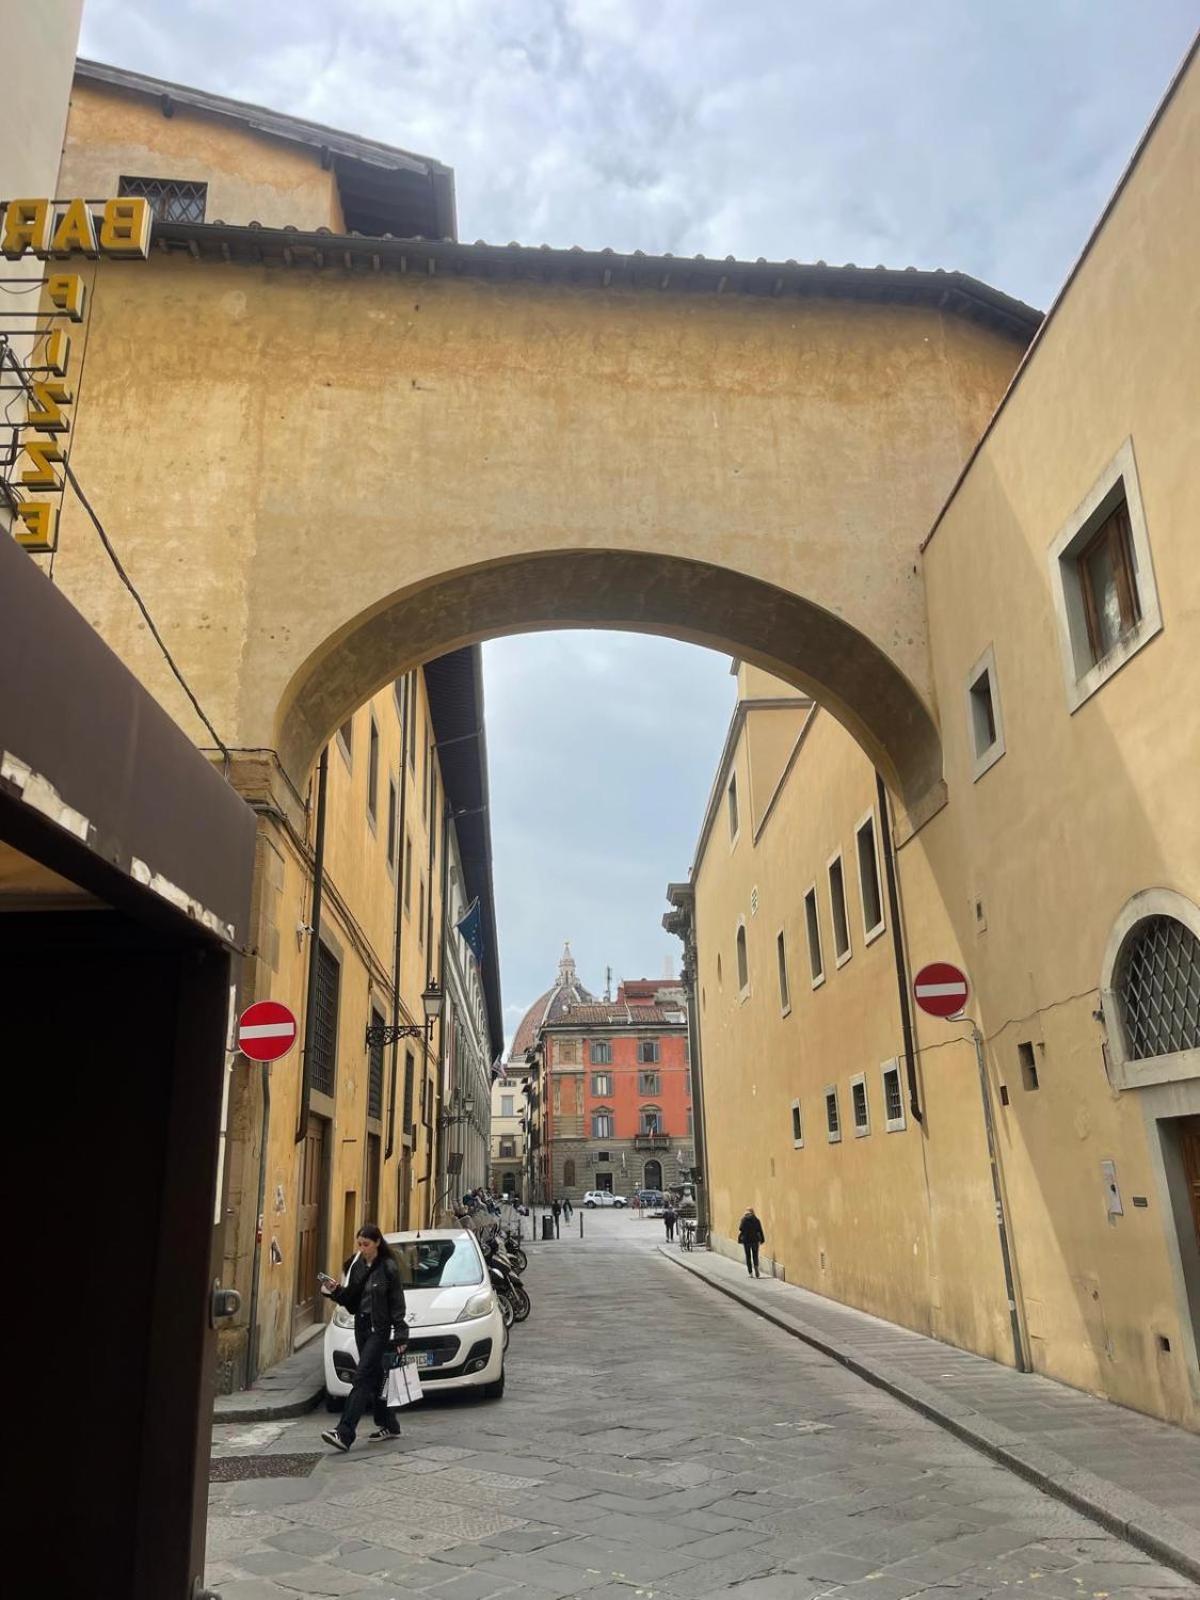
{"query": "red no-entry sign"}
{"type": "Point", "coordinates": [266, 1030]}
{"type": "Point", "coordinates": [941, 989]}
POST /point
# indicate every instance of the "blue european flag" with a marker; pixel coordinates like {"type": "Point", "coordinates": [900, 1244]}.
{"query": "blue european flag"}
{"type": "Point", "coordinates": [470, 925]}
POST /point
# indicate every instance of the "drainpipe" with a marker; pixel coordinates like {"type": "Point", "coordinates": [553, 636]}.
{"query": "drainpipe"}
{"type": "Point", "coordinates": [314, 948]}
{"type": "Point", "coordinates": [401, 857]}
{"type": "Point", "coordinates": [893, 893]}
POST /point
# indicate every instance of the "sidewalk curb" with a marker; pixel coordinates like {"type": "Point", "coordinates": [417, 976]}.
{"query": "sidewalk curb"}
{"type": "Point", "coordinates": [1127, 1515]}
{"type": "Point", "coordinates": [291, 1389]}
{"type": "Point", "coordinates": [260, 1408]}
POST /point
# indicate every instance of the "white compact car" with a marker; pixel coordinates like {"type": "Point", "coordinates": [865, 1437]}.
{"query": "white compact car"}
{"type": "Point", "coordinates": [602, 1197]}
{"type": "Point", "coordinates": [456, 1330]}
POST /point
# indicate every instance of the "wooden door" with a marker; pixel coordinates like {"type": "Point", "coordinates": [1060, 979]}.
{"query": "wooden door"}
{"type": "Point", "coordinates": [311, 1223]}
{"type": "Point", "coordinates": [1189, 1146]}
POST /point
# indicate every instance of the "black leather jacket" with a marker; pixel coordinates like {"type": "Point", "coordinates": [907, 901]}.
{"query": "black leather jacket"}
{"type": "Point", "coordinates": [375, 1295]}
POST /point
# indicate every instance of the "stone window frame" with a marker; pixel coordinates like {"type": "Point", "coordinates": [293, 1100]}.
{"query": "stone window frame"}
{"type": "Point", "coordinates": [733, 808]}
{"type": "Point", "coordinates": [833, 1135]}
{"type": "Point", "coordinates": [1125, 1071]}
{"type": "Point", "coordinates": [889, 1069]}
{"type": "Point", "coordinates": [862, 1130]}
{"type": "Point", "coordinates": [984, 757]}
{"type": "Point", "coordinates": [869, 819]}
{"type": "Point", "coordinates": [839, 958]}
{"type": "Point", "coordinates": [1082, 674]}
{"type": "Point", "coordinates": [741, 952]}
{"type": "Point", "coordinates": [817, 977]}
{"type": "Point", "coordinates": [797, 1126]}
{"type": "Point", "coordinates": [785, 977]}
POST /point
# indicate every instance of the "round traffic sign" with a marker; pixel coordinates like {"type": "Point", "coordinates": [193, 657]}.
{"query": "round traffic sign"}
{"type": "Point", "coordinates": [941, 989]}
{"type": "Point", "coordinates": [266, 1030]}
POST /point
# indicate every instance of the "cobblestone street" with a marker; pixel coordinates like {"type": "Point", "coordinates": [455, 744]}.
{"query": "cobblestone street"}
{"type": "Point", "coordinates": [655, 1440]}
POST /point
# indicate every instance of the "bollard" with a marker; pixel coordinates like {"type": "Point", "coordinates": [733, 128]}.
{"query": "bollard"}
{"type": "Point", "coordinates": [581, 1224]}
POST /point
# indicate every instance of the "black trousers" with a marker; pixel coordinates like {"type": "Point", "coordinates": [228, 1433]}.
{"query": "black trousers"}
{"type": "Point", "coordinates": [671, 1228]}
{"type": "Point", "coordinates": [368, 1386]}
{"type": "Point", "coordinates": [751, 1249]}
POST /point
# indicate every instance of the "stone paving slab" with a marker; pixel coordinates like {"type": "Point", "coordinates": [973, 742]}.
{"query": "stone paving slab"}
{"type": "Point", "coordinates": [1050, 1434]}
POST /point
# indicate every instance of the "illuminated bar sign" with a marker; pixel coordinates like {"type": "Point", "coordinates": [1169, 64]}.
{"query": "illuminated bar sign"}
{"type": "Point", "coordinates": [54, 230]}
{"type": "Point", "coordinates": [58, 228]}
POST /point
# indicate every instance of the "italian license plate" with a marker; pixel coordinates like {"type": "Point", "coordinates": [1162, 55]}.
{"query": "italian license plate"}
{"type": "Point", "coordinates": [422, 1358]}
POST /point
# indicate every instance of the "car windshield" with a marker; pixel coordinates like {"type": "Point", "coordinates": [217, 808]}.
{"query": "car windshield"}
{"type": "Point", "coordinates": [438, 1263]}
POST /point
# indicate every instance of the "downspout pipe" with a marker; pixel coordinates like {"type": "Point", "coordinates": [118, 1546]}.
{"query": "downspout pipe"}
{"type": "Point", "coordinates": [314, 947]}
{"type": "Point", "coordinates": [902, 984]}
{"type": "Point", "coordinates": [401, 859]}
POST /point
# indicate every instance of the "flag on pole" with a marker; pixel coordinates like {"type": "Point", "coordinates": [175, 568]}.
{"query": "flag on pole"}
{"type": "Point", "coordinates": [470, 925]}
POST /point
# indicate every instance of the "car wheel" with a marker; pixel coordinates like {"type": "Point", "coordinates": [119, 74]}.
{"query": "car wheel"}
{"type": "Point", "coordinates": [494, 1391]}
{"type": "Point", "coordinates": [619, 1205]}
{"type": "Point", "coordinates": [334, 1402]}
{"type": "Point", "coordinates": [589, 1205]}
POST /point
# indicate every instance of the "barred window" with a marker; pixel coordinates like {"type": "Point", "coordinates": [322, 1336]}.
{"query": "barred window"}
{"type": "Point", "coordinates": [325, 1021]}
{"type": "Point", "coordinates": [893, 1099]}
{"type": "Point", "coordinates": [858, 1098]}
{"type": "Point", "coordinates": [1159, 988]}
{"type": "Point", "coordinates": [375, 1072]}
{"type": "Point", "coordinates": [170, 200]}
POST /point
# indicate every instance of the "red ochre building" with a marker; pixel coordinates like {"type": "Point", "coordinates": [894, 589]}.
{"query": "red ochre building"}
{"type": "Point", "coordinates": [609, 1101]}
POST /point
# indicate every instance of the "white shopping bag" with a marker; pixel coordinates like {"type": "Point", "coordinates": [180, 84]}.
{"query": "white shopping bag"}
{"type": "Point", "coordinates": [402, 1387]}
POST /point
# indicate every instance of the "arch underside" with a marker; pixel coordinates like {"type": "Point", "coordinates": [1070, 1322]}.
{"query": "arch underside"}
{"type": "Point", "coordinates": [773, 628]}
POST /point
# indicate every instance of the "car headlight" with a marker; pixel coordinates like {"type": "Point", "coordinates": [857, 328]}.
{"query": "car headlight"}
{"type": "Point", "coordinates": [342, 1318]}
{"type": "Point", "coordinates": [479, 1305]}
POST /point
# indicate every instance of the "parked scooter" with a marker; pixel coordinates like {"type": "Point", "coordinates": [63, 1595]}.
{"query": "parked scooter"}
{"type": "Point", "coordinates": [514, 1299]}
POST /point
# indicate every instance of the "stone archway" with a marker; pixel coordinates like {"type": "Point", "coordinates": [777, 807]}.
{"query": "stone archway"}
{"type": "Point", "coordinates": [341, 461]}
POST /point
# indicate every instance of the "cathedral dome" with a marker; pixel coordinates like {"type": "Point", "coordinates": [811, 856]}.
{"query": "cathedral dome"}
{"type": "Point", "coordinates": [551, 1006]}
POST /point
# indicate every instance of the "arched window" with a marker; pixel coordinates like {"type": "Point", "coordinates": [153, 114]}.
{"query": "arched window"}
{"type": "Point", "coordinates": [1158, 988]}
{"type": "Point", "coordinates": [569, 1173]}
{"type": "Point", "coordinates": [1151, 990]}
{"type": "Point", "coordinates": [743, 966]}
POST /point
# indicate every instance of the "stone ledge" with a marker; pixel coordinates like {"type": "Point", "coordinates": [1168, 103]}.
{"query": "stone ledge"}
{"type": "Point", "coordinates": [1127, 1515]}
{"type": "Point", "coordinates": [290, 1389]}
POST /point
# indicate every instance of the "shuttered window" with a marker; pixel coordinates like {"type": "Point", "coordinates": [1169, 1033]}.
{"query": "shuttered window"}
{"type": "Point", "coordinates": [325, 1021]}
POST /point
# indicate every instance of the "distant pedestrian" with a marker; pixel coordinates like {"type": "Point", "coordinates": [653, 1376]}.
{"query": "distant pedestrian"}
{"type": "Point", "coordinates": [750, 1237]}
{"type": "Point", "coordinates": [670, 1217]}
{"type": "Point", "coordinates": [556, 1208]}
{"type": "Point", "coordinates": [568, 1208]}
{"type": "Point", "coordinates": [371, 1290]}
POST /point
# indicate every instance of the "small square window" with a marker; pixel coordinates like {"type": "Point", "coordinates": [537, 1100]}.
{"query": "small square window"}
{"type": "Point", "coordinates": [858, 1099]}
{"type": "Point", "coordinates": [797, 1127]}
{"type": "Point", "coordinates": [893, 1098]}
{"type": "Point", "coordinates": [985, 724]}
{"type": "Point", "coordinates": [1027, 1057]}
{"type": "Point", "coordinates": [813, 924]}
{"type": "Point", "coordinates": [833, 1122]}
{"type": "Point", "coordinates": [1102, 579]}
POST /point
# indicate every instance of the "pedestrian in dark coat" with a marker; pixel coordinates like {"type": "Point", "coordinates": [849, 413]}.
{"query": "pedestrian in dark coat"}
{"type": "Point", "coordinates": [374, 1294]}
{"type": "Point", "coordinates": [750, 1236]}
{"type": "Point", "coordinates": [670, 1217]}
{"type": "Point", "coordinates": [556, 1208]}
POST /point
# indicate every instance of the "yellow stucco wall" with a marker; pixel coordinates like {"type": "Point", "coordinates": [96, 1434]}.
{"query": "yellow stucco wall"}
{"type": "Point", "coordinates": [358, 922]}
{"type": "Point", "coordinates": [251, 176]}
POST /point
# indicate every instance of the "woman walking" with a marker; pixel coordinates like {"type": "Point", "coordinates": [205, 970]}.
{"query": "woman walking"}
{"type": "Point", "coordinates": [750, 1236]}
{"type": "Point", "coordinates": [372, 1291]}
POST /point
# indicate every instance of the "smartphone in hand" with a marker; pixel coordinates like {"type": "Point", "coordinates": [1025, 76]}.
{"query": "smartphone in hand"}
{"type": "Point", "coordinates": [326, 1281]}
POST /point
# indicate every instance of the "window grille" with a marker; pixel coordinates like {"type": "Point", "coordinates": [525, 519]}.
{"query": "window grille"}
{"type": "Point", "coordinates": [375, 1073]}
{"type": "Point", "coordinates": [833, 1121]}
{"type": "Point", "coordinates": [893, 1102]}
{"type": "Point", "coordinates": [1159, 991]}
{"type": "Point", "coordinates": [858, 1094]}
{"type": "Point", "coordinates": [325, 1021]}
{"type": "Point", "coordinates": [170, 200]}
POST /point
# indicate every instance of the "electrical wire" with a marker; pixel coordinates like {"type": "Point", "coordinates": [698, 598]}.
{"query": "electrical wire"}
{"type": "Point", "coordinates": [965, 1038]}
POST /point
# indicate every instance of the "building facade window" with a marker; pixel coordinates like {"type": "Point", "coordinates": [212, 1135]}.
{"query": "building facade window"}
{"type": "Point", "coordinates": [743, 964]}
{"type": "Point", "coordinates": [1158, 989]}
{"type": "Point", "coordinates": [373, 771]}
{"type": "Point", "coordinates": [375, 1072]}
{"type": "Point", "coordinates": [569, 1173]}
{"type": "Point", "coordinates": [602, 1125]}
{"type": "Point", "coordinates": [600, 1052]}
{"type": "Point", "coordinates": [870, 893]}
{"type": "Point", "coordinates": [508, 1147]}
{"type": "Point", "coordinates": [785, 997]}
{"type": "Point", "coordinates": [345, 740]}
{"type": "Point", "coordinates": [410, 1073]}
{"type": "Point", "coordinates": [731, 797]}
{"type": "Point", "coordinates": [391, 823]}
{"type": "Point", "coordinates": [837, 910]}
{"type": "Point", "coordinates": [893, 1099]}
{"type": "Point", "coordinates": [648, 1083]}
{"type": "Point", "coordinates": [1102, 580]}
{"type": "Point", "coordinates": [602, 1085]}
{"type": "Point", "coordinates": [812, 923]}
{"type": "Point", "coordinates": [858, 1101]}
{"type": "Point", "coordinates": [833, 1120]}
{"type": "Point", "coordinates": [171, 199]}
{"type": "Point", "coordinates": [797, 1127]}
{"type": "Point", "coordinates": [985, 724]}
{"type": "Point", "coordinates": [651, 1119]}
{"type": "Point", "coordinates": [647, 1049]}
{"type": "Point", "coordinates": [325, 1020]}
{"type": "Point", "coordinates": [506, 1105]}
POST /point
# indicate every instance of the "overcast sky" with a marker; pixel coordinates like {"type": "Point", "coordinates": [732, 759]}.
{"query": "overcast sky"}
{"type": "Point", "coordinates": [983, 135]}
